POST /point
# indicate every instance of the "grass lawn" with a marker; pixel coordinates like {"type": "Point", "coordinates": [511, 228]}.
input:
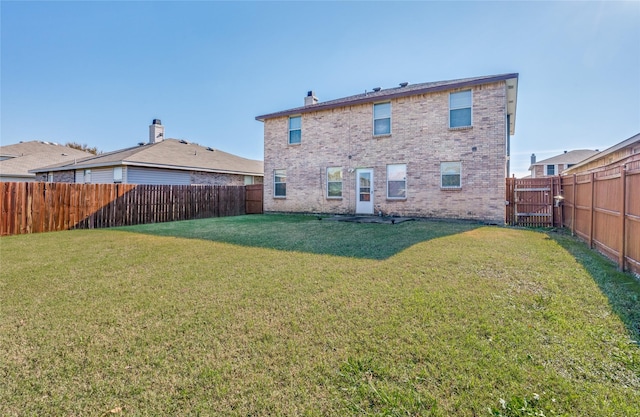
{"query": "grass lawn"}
{"type": "Point", "coordinates": [288, 315]}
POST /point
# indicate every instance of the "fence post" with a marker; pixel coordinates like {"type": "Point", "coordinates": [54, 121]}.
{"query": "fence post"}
{"type": "Point", "coordinates": [623, 215]}
{"type": "Point", "coordinates": [591, 213]}
{"type": "Point", "coordinates": [573, 208]}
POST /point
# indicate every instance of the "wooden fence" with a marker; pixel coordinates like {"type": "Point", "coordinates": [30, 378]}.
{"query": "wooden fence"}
{"type": "Point", "coordinates": [530, 202]}
{"type": "Point", "coordinates": [603, 208]}
{"type": "Point", "coordinates": [254, 197]}
{"type": "Point", "coordinates": [33, 207]}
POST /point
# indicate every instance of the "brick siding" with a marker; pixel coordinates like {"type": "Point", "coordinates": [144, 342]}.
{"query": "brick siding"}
{"type": "Point", "coordinates": [420, 138]}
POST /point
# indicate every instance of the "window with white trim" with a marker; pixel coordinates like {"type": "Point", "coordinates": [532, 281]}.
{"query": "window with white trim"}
{"type": "Point", "coordinates": [334, 182]}
{"type": "Point", "coordinates": [450, 174]}
{"type": "Point", "coordinates": [248, 180]}
{"type": "Point", "coordinates": [280, 183]}
{"type": "Point", "coordinates": [381, 119]}
{"type": "Point", "coordinates": [295, 130]}
{"type": "Point", "coordinates": [50, 177]}
{"type": "Point", "coordinates": [87, 176]}
{"type": "Point", "coordinates": [460, 109]}
{"type": "Point", "coordinates": [397, 181]}
{"type": "Point", "coordinates": [550, 170]}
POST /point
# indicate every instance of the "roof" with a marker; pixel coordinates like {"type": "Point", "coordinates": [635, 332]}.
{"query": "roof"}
{"type": "Point", "coordinates": [411, 90]}
{"type": "Point", "coordinates": [571, 157]}
{"type": "Point", "coordinates": [632, 140]}
{"type": "Point", "coordinates": [169, 154]}
{"type": "Point", "coordinates": [20, 158]}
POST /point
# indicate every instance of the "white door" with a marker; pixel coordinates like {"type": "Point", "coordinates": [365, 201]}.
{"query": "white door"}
{"type": "Point", "coordinates": [364, 191]}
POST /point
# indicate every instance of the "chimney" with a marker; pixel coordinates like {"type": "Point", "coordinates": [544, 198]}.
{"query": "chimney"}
{"type": "Point", "coordinates": [533, 158]}
{"type": "Point", "coordinates": [310, 99]}
{"type": "Point", "coordinates": [156, 131]}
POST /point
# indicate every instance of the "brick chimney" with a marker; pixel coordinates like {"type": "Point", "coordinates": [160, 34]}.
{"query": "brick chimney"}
{"type": "Point", "coordinates": [156, 131]}
{"type": "Point", "coordinates": [310, 99]}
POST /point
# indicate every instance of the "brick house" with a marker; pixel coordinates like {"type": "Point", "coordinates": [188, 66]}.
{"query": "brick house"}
{"type": "Point", "coordinates": [161, 162]}
{"type": "Point", "coordinates": [438, 149]}
{"type": "Point", "coordinates": [556, 164]}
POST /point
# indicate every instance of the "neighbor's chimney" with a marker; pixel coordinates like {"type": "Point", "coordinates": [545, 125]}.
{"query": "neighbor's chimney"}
{"type": "Point", "coordinates": [310, 99]}
{"type": "Point", "coordinates": [533, 158]}
{"type": "Point", "coordinates": [156, 131]}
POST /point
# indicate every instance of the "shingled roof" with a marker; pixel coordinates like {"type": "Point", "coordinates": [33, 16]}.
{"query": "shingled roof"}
{"type": "Point", "coordinates": [19, 159]}
{"type": "Point", "coordinates": [169, 154]}
{"type": "Point", "coordinates": [570, 157]}
{"type": "Point", "coordinates": [408, 90]}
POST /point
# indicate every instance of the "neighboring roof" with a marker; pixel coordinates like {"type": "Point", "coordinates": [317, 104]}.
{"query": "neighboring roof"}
{"type": "Point", "coordinates": [411, 90]}
{"type": "Point", "coordinates": [20, 158]}
{"type": "Point", "coordinates": [169, 154]}
{"type": "Point", "coordinates": [571, 157]}
{"type": "Point", "coordinates": [632, 140]}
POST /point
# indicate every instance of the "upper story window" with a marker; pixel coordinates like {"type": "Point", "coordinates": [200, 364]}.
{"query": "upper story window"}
{"type": "Point", "coordinates": [397, 181]}
{"type": "Point", "coordinates": [382, 119]}
{"type": "Point", "coordinates": [551, 169]}
{"type": "Point", "coordinates": [460, 109]}
{"type": "Point", "coordinates": [334, 182]}
{"type": "Point", "coordinates": [450, 174]}
{"type": "Point", "coordinates": [295, 130]}
{"type": "Point", "coordinates": [280, 183]}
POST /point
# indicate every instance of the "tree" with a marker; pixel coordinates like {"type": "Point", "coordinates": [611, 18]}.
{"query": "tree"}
{"type": "Point", "coordinates": [83, 147]}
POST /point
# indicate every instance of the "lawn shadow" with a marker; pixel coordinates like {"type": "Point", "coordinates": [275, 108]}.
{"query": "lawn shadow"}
{"type": "Point", "coordinates": [621, 288]}
{"type": "Point", "coordinates": [311, 234]}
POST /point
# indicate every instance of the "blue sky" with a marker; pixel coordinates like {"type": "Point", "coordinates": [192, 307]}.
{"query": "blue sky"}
{"type": "Point", "coordinates": [99, 72]}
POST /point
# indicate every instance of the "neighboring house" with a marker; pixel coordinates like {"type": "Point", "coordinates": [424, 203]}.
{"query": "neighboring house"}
{"type": "Point", "coordinates": [613, 157]}
{"type": "Point", "coordinates": [555, 165]}
{"type": "Point", "coordinates": [160, 161]}
{"type": "Point", "coordinates": [436, 149]}
{"type": "Point", "coordinates": [16, 160]}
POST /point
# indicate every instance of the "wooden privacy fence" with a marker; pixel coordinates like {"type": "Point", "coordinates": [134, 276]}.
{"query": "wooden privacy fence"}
{"type": "Point", "coordinates": [603, 208]}
{"type": "Point", "coordinates": [530, 202]}
{"type": "Point", "coordinates": [33, 207]}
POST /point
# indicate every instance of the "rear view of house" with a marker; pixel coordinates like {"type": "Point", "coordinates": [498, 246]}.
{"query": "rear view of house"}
{"type": "Point", "coordinates": [436, 149]}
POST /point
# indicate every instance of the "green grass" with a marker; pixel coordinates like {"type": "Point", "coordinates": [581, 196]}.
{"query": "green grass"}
{"type": "Point", "coordinates": [288, 315]}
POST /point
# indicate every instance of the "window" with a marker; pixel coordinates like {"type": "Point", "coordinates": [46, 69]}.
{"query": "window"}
{"type": "Point", "coordinates": [50, 177]}
{"type": "Point", "coordinates": [117, 174]}
{"type": "Point", "coordinates": [397, 181]}
{"type": "Point", "coordinates": [450, 174]}
{"type": "Point", "coordinates": [248, 180]}
{"type": "Point", "coordinates": [295, 130]}
{"type": "Point", "coordinates": [280, 183]}
{"type": "Point", "coordinates": [382, 119]}
{"type": "Point", "coordinates": [87, 176]}
{"type": "Point", "coordinates": [551, 170]}
{"type": "Point", "coordinates": [460, 109]}
{"type": "Point", "coordinates": [334, 182]}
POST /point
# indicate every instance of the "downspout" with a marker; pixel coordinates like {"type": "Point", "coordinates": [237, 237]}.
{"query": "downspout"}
{"type": "Point", "coordinates": [508, 146]}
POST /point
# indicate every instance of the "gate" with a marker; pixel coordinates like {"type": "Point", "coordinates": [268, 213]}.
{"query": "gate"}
{"type": "Point", "coordinates": [253, 199]}
{"type": "Point", "coordinates": [530, 202]}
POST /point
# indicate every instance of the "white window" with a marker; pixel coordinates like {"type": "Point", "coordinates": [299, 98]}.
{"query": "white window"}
{"type": "Point", "coordinates": [87, 176]}
{"type": "Point", "coordinates": [397, 181]}
{"type": "Point", "coordinates": [280, 183]}
{"type": "Point", "coordinates": [450, 174]}
{"type": "Point", "coordinates": [117, 174]}
{"type": "Point", "coordinates": [334, 182]}
{"type": "Point", "coordinates": [460, 109]}
{"type": "Point", "coordinates": [551, 170]}
{"type": "Point", "coordinates": [50, 177]}
{"type": "Point", "coordinates": [248, 180]}
{"type": "Point", "coordinates": [381, 119]}
{"type": "Point", "coordinates": [295, 130]}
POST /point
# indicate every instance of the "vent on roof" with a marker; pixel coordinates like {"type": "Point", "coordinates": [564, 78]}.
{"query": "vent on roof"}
{"type": "Point", "coordinates": [376, 89]}
{"type": "Point", "coordinates": [183, 141]}
{"type": "Point", "coordinates": [140, 143]}
{"type": "Point", "coordinates": [404, 84]}
{"type": "Point", "coordinates": [210, 149]}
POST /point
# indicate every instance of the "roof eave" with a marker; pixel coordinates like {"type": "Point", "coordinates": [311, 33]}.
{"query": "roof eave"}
{"type": "Point", "coordinates": [402, 93]}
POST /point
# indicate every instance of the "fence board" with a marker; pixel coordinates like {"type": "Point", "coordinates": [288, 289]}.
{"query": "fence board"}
{"type": "Point", "coordinates": [43, 207]}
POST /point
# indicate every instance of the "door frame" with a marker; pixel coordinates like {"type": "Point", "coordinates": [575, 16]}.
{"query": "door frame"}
{"type": "Point", "coordinates": [365, 207]}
